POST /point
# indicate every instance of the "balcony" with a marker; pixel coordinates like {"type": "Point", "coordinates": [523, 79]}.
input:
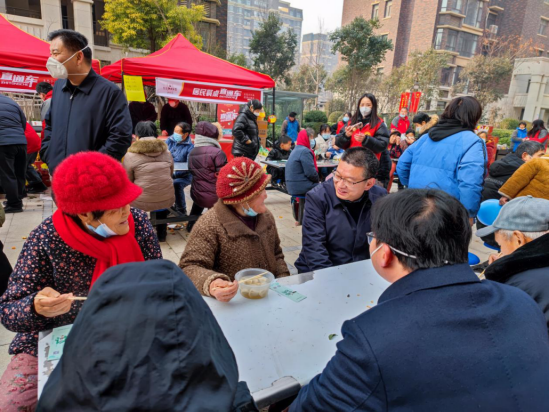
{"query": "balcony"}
{"type": "Point", "coordinates": [21, 12]}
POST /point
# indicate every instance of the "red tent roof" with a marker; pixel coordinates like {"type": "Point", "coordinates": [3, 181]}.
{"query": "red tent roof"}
{"type": "Point", "coordinates": [179, 59]}
{"type": "Point", "coordinates": [22, 50]}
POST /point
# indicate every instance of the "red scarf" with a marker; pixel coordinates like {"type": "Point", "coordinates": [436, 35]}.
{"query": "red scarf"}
{"type": "Point", "coordinates": [303, 140]}
{"type": "Point", "coordinates": [109, 252]}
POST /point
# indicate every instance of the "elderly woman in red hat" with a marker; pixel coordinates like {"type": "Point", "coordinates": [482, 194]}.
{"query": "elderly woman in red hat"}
{"type": "Point", "coordinates": [93, 229]}
{"type": "Point", "coordinates": [238, 233]}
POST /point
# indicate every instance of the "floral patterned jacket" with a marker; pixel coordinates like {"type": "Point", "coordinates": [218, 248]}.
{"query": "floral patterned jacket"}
{"type": "Point", "coordinates": [46, 260]}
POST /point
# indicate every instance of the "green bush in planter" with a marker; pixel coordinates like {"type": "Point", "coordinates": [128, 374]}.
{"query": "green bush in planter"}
{"type": "Point", "coordinates": [315, 116]}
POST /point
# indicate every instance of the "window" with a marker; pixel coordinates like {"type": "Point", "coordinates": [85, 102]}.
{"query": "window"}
{"type": "Point", "coordinates": [473, 14]}
{"type": "Point", "coordinates": [523, 83]}
{"type": "Point", "coordinates": [452, 5]}
{"type": "Point", "coordinates": [492, 20]}
{"type": "Point", "coordinates": [456, 74]}
{"type": "Point", "coordinates": [388, 6]}
{"type": "Point", "coordinates": [30, 8]}
{"type": "Point", "coordinates": [385, 36]}
{"type": "Point", "coordinates": [542, 27]}
{"type": "Point", "coordinates": [467, 44]}
{"type": "Point", "coordinates": [451, 40]}
{"type": "Point", "coordinates": [438, 39]}
{"type": "Point", "coordinates": [446, 77]}
{"type": "Point", "coordinates": [375, 12]}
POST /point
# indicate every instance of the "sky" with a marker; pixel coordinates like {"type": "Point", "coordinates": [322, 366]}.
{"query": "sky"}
{"type": "Point", "coordinates": [328, 10]}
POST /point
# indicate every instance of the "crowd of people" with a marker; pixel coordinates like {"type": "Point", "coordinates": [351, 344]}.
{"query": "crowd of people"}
{"type": "Point", "coordinates": [440, 338]}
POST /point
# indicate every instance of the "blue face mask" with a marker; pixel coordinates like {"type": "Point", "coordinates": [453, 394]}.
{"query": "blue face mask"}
{"type": "Point", "coordinates": [177, 137]}
{"type": "Point", "coordinates": [345, 119]}
{"type": "Point", "coordinates": [102, 230]}
{"type": "Point", "coordinates": [249, 212]}
{"type": "Point", "coordinates": [313, 144]}
{"type": "Point", "coordinates": [326, 136]}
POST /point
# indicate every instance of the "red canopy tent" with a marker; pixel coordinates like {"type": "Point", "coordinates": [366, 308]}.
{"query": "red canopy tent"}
{"type": "Point", "coordinates": [179, 59]}
{"type": "Point", "coordinates": [23, 59]}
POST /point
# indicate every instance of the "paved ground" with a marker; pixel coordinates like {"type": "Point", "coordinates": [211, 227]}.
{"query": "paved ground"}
{"type": "Point", "coordinates": [18, 227]}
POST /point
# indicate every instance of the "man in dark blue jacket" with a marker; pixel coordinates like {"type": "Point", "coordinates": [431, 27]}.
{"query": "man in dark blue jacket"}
{"type": "Point", "coordinates": [439, 339]}
{"type": "Point", "coordinates": [337, 213]}
{"type": "Point", "coordinates": [87, 112]}
{"type": "Point", "coordinates": [13, 153]}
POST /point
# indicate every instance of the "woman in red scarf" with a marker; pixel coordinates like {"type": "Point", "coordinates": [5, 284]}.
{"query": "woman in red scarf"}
{"type": "Point", "coordinates": [373, 134]}
{"type": "Point", "coordinates": [301, 169]}
{"type": "Point", "coordinates": [93, 229]}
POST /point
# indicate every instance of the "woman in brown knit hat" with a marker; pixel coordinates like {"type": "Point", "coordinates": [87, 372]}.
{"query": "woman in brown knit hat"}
{"type": "Point", "coordinates": [238, 233]}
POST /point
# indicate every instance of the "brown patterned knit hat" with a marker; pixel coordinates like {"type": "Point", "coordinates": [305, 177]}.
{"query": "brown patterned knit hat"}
{"type": "Point", "coordinates": [240, 180]}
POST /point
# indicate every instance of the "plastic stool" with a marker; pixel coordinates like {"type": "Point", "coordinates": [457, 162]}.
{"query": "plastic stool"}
{"type": "Point", "coordinates": [473, 259]}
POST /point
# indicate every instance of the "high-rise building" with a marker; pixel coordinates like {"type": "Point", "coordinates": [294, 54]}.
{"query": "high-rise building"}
{"type": "Point", "coordinates": [454, 26]}
{"type": "Point", "coordinates": [245, 16]}
{"type": "Point", "coordinates": [317, 48]}
{"type": "Point", "coordinates": [213, 27]}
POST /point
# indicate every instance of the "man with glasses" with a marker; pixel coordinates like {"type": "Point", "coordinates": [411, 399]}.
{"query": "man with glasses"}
{"type": "Point", "coordinates": [337, 213]}
{"type": "Point", "coordinates": [438, 339]}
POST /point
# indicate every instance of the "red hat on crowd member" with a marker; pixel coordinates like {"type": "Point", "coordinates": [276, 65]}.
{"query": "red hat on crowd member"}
{"type": "Point", "coordinates": [90, 182]}
{"type": "Point", "coordinates": [240, 180]}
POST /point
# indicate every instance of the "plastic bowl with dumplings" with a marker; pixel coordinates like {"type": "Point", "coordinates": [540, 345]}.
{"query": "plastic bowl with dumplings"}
{"type": "Point", "coordinates": [257, 288]}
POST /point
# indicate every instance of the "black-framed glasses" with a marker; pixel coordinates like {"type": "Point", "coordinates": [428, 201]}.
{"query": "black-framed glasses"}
{"type": "Point", "coordinates": [372, 236]}
{"type": "Point", "coordinates": [339, 179]}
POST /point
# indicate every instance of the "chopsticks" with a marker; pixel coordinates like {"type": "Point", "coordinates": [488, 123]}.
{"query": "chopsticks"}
{"type": "Point", "coordinates": [254, 277]}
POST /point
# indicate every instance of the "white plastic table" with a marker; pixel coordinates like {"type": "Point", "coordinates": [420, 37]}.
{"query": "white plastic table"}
{"type": "Point", "coordinates": [281, 345]}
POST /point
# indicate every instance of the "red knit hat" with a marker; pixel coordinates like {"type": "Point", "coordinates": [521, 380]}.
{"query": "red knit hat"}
{"type": "Point", "coordinates": [240, 180]}
{"type": "Point", "coordinates": [92, 181]}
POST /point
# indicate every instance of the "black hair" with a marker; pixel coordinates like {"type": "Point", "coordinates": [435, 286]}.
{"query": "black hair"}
{"type": "Point", "coordinates": [395, 133]}
{"type": "Point", "coordinates": [362, 157]}
{"type": "Point", "coordinates": [467, 110]}
{"type": "Point", "coordinates": [257, 105]}
{"type": "Point", "coordinates": [292, 114]}
{"type": "Point", "coordinates": [44, 87]}
{"type": "Point", "coordinates": [324, 127]}
{"type": "Point", "coordinates": [284, 139]}
{"type": "Point", "coordinates": [186, 127]}
{"type": "Point", "coordinates": [374, 119]}
{"type": "Point", "coordinates": [483, 132]}
{"type": "Point", "coordinates": [146, 129]}
{"type": "Point", "coordinates": [73, 41]}
{"type": "Point", "coordinates": [530, 147]}
{"type": "Point", "coordinates": [410, 131]}
{"type": "Point", "coordinates": [537, 126]}
{"type": "Point", "coordinates": [427, 223]}
{"type": "Point", "coordinates": [403, 108]}
{"type": "Point", "coordinates": [421, 117]}
{"type": "Point", "coordinates": [98, 214]}
{"type": "Point", "coordinates": [524, 124]}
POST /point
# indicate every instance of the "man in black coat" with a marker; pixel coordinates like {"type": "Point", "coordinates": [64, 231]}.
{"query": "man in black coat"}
{"type": "Point", "coordinates": [246, 132]}
{"type": "Point", "coordinates": [87, 112]}
{"type": "Point", "coordinates": [172, 113]}
{"type": "Point", "coordinates": [437, 339]}
{"type": "Point", "coordinates": [13, 153]}
{"type": "Point", "coordinates": [522, 231]}
{"type": "Point", "coordinates": [502, 170]}
{"type": "Point", "coordinates": [337, 213]}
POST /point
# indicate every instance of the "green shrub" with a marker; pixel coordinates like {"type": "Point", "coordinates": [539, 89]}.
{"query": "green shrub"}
{"type": "Point", "coordinates": [314, 125]}
{"type": "Point", "coordinates": [504, 136]}
{"type": "Point", "coordinates": [334, 117]}
{"type": "Point", "coordinates": [509, 124]}
{"type": "Point", "coordinates": [315, 116]}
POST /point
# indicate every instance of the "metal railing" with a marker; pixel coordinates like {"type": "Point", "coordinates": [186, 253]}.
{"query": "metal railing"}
{"type": "Point", "coordinates": [21, 12]}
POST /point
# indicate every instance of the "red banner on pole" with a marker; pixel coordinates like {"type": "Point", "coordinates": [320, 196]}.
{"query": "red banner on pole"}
{"type": "Point", "coordinates": [206, 92]}
{"type": "Point", "coordinates": [404, 99]}
{"type": "Point", "coordinates": [226, 115]}
{"type": "Point", "coordinates": [414, 105]}
{"type": "Point", "coordinates": [21, 80]}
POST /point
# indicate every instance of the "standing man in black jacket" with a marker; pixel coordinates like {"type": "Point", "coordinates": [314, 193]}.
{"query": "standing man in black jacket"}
{"type": "Point", "coordinates": [246, 132]}
{"type": "Point", "coordinates": [87, 112]}
{"type": "Point", "coordinates": [13, 153]}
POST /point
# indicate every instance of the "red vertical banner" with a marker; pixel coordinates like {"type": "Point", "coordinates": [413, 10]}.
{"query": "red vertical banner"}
{"type": "Point", "coordinates": [404, 99]}
{"type": "Point", "coordinates": [414, 104]}
{"type": "Point", "coordinates": [226, 115]}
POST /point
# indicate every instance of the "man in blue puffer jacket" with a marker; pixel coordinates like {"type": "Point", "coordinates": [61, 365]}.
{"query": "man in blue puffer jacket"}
{"type": "Point", "coordinates": [451, 157]}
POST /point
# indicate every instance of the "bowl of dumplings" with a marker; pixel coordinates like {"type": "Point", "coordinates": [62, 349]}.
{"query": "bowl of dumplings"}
{"type": "Point", "coordinates": [257, 287]}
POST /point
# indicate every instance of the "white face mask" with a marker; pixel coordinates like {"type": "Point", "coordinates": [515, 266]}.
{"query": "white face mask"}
{"type": "Point", "coordinates": [365, 110]}
{"type": "Point", "coordinates": [58, 70]}
{"type": "Point", "coordinates": [256, 114]}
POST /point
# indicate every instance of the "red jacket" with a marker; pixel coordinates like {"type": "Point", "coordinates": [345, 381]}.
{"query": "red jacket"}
{"type": "Point", "coordinates": [33, 140]}
{"type": "Point", "coordinates": [400, 124]}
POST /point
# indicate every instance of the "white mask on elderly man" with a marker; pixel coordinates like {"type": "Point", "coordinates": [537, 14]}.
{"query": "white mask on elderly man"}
{"type": "Point", "coordinates": [58, 70]}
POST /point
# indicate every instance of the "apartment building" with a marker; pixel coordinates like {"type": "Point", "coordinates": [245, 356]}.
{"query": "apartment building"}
{"type": "Point", "coordinates": [245, 16]}
{"type": "Point", "coordinates": [454, 26]}
{"type": "Point", "coordinates": [317, 47]}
